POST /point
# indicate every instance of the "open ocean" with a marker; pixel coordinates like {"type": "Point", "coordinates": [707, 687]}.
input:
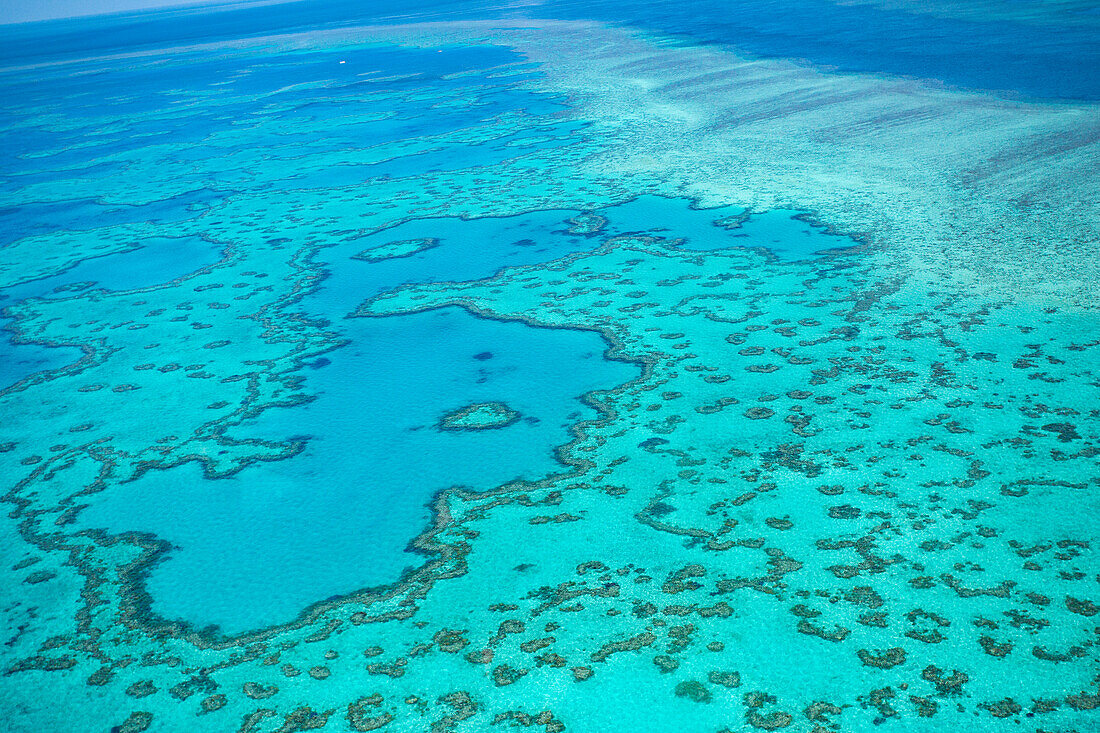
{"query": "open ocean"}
{"type": "Point", "coordinates": [590, 366]}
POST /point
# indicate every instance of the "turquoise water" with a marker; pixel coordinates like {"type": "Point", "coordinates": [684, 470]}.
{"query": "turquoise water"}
{"type": "Point", "coordinates": [19, 360]}
{"type": "Point", "coordinates": [382, 461]}
{"type": "Point", "coordinates": [150, 263]}
{"type": "Point", "coordinates": [275, 519]}
{"type": "Point", "coordinates": [564, 367]}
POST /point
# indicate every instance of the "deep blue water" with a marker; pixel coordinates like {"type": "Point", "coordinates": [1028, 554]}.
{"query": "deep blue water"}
{"type": "Point", "coordinates": [1056, 58]}
{"type": "Point", "coordinates": [134, 92]}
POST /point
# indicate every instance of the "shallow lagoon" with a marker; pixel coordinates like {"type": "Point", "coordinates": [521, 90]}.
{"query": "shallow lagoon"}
{"type": "Point", "coordinates": [20, 360]}
{"type": "Point", "coordinates": [377, 403]}
{"type": "Point", "coordinates": [255, 549]}
{"type": "Point", "coordinates": [154, 262]}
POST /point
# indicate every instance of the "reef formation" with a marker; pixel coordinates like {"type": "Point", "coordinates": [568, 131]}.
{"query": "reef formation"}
{"type": "Point", "coordinates": [829, 461]}
{"type": "Point", "coordinates": [480, 416]}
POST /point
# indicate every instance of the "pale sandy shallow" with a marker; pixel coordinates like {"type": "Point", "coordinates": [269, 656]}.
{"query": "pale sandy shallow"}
{"type": "Point", "coordinates": [980, 190]}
